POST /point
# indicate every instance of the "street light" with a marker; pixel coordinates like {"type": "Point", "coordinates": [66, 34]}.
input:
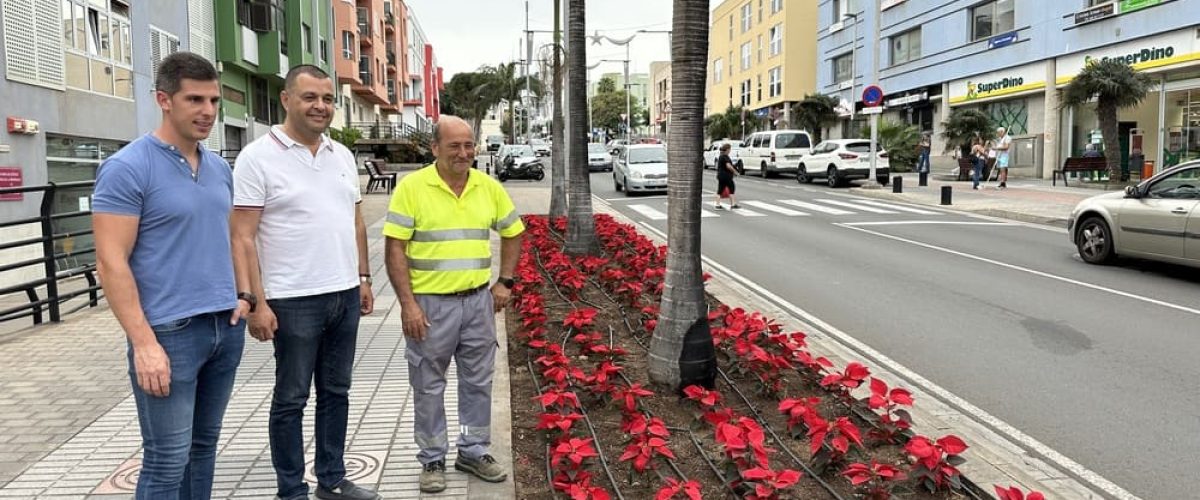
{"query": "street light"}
{"type": "Point", "coordinates": [597, 37]}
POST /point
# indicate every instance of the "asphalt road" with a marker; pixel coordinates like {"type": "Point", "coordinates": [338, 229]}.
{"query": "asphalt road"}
{"type": "Point", "coordinates": [1099, 363]}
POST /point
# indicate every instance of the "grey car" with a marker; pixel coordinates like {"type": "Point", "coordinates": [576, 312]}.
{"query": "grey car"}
{"type": "Point", "coordinates": [1159, 219]}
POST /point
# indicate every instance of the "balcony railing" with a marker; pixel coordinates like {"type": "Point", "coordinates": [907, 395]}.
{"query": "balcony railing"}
{"type": "Point", "coordinates": [364, 22]}
{"type": "Point", "coordinates": [383, 130]}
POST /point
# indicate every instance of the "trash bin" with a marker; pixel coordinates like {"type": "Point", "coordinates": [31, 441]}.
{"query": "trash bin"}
{"type": "Point", "coordinates": [1147, 169]}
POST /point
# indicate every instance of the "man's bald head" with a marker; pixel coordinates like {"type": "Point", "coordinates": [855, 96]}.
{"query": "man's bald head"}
{"type": "Point", "coordinates": [448, 124]}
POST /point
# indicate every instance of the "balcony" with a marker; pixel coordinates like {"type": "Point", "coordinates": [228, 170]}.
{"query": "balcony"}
{"type": "Point", "coordinates": [364, 26]}
{"type": "Point", "coordinates": [389, 18]}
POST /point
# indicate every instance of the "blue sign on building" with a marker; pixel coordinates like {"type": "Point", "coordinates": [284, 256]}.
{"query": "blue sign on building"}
{"type": "Point", "coordinates": [1002, 40]}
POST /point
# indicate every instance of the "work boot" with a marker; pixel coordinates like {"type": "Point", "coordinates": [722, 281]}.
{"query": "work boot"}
{"type": "Point", "coordinates": [433, 477]}
{"type": "Point", "coordinates": [484, 468]}
{"type": "Point", "coordinates": [346, 490]}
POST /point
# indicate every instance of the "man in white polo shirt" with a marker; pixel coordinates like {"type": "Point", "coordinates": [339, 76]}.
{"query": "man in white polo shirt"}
{"type": "Point", "coordinates": [299, 233]}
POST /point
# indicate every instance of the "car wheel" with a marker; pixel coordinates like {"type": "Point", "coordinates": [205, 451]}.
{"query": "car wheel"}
{"type": "Point", "coordinates": [832, 178]}
{"type": "Point", "coordinates": [741, 168]}
{"type": "Point", "coordinates": [763, 171]}
{"type": "Point", "coordinates": [539, 176]}
{"type": "Point", "coordinates": [883, 180]}
{"type": "Point", "coordinates": [616, 185]}
{"type": "Point", "coordinates": [1094, 241]}
{"type": "Point", "coordinates": [503, 176]}
{"type": "Point", "coordinates": [802, 175]}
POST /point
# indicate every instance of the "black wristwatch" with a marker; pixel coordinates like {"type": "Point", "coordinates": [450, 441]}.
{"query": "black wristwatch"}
{"type": "Point", "coordinates": [250, 298]}
{"type": "Point", "coordinates": [507, 282]}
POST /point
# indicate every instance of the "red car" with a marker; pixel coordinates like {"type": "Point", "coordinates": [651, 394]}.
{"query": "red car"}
{"type": "Point", "coordinates": [648, 140]}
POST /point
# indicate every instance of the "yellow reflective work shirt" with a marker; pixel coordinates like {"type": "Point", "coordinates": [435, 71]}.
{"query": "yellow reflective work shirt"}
{"type": "Point", "coordinates": [448, 247]}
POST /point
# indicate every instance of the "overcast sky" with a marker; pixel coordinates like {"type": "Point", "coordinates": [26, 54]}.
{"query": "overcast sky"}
{"type": "Point", "coordinates": [466, 34]}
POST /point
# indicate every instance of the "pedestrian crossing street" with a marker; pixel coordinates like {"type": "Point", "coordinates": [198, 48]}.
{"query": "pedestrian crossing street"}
{"type": "Point", "coordinates": [793, 208]}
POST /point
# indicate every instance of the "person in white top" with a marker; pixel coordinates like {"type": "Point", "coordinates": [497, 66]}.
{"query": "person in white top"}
{"type": "Point", "coordinates": [1000, 146]}
{"type": "Point", "coordinates": [298, 232]}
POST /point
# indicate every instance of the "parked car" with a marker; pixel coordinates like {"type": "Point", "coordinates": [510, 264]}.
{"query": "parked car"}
{"type": "Point", "coordinates": [771, 152]}
{"type": "Point", "coordinates": [540, 147]}
{"type": "Point", "coordinates": [640, 168]}
{"type": "Point", "coordinates": [598, 158]}
{"type": "Point", "coordinates": [494, 142]}
{"type": "Point", "coordinates": [714, 151]}
{"type": "Point", "coordinates": [1159, 219]}
{"type": "Point", "coordinates": [615, 143]}
{"type": "Point", "coordinates": [515, 155]}
{"type": "Point", "coordinates": [649, 140]}
{"type": "Point", "coordinates": [841, 160]}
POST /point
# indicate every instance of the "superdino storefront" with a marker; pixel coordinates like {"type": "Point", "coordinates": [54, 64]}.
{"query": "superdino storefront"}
{"type": "Point", "coordinates": [1015, 99]}
{"type": "Point", "coordinates": [1166, 125]}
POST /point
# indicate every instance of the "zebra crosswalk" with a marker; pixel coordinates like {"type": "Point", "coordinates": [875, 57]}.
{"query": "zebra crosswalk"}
{"type": "Point", "coordinates": [793, 208]}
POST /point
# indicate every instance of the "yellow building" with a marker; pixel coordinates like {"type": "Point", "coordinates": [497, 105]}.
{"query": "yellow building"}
{"type": "Point", "coordinates": [762, 54]}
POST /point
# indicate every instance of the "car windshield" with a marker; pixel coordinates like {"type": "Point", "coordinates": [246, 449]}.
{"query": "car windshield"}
{"type": "Point", "coordinates": [791, 141]}
{"type": "Point", "coordinates": [597, 149]}
{"type": "Point", "coordinates": [537, 142]}
{"type": "Point", "coordinates": [495, 138]}
{"type": "Point", "coordinates": [648, 155]}
{"type": "Point", "coordinates": [521, 151]}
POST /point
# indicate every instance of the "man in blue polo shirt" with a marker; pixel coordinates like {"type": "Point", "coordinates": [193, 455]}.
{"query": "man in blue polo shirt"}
{"type": "Point", "coordinates": [161, 219]}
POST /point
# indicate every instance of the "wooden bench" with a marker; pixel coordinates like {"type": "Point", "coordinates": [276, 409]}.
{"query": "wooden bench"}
{"type": "Point", "coordinates": [1079, 164]}
{"type": "Point", "coordinates": [966, 166]}
{"type": "Point", "coordinates": [379, 179]}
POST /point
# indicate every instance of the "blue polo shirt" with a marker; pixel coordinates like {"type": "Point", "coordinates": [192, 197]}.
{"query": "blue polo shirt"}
{"type": "Point", "coordinates": [181, 262]}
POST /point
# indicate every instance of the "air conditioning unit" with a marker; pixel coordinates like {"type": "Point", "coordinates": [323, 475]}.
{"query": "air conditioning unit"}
{"type": "Point", "coordinates": [260, 17]}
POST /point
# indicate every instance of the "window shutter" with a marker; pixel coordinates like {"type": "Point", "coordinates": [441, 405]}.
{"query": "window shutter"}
{"type": "Point", "coordinates": [156, 53]}
{"type": "Point", "coordinates": [50, 66]}
{"type": "Point", "coordinates": [202, 29]}
{"type": "Point", "coordinates": [33, 42]}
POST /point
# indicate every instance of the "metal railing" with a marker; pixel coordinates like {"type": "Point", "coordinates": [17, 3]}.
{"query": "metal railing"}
{"type": "Point", "coordinates": [59, 258]}
{"type": "Point", "coordinates": [384, 130]}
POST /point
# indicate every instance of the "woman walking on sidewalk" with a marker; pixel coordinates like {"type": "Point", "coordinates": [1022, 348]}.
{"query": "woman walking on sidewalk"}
{"type": "Point", "coordinates": [725, 174]}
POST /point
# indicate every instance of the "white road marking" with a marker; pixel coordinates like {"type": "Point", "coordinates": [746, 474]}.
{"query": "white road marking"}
{"type": "Point", "coordinates": [1034, 272]}
{"type": "Point", "coordinates": [896, 207]}
{"type": "Point", "coordinates": [925, 384]}
{"type": "Point", "coordinates": [863, 208]}
{"type": "Point", "coordinates": [651, 213]}
{"type": "Point", "coordinates": [913, 222]}
{"type": "Point", "coordinates": [706, 214]}
{"type": "Point", "coordinates": [772, 208]}
{"type": "Point", "coordinates": [747, 213]}
{"type": "Point", "coordinates": [639, 198]}
{"type": "Point", "coordinates": [815, 207]}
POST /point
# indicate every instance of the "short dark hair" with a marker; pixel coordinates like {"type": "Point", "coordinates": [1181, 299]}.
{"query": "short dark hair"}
{"type": "Point", "coordinates": [176, 67]}
{"type": "Point", "coordinates": [302, 69]}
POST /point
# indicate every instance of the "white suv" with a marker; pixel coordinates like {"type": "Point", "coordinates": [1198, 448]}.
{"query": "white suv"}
{"type": "Point", "coordinates": [714, 151]}
{"type": "Point", "coordinates": [841, 160]}
{"type": "Point", "coordinates": [775, 151]}
{"type": "Point", "coordinates": [640, 168]}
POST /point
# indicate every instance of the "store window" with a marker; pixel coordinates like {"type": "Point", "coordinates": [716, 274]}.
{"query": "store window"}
{"type": "Point", "coordinates": [992, 18]}
{"type": "Point", "coordinates": [906, 47]}
{"type": "Point", "coordinates": [1182, 126]}
{"type": "Point", "coordinates": [843, 68]}
{"type": "Point", "coordinates": [99, 48]}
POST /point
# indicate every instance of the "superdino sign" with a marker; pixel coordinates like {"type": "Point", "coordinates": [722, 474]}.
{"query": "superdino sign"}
{"type": "Point", "coordinates": [974, 90]}
{"type": "Point", "coordinates": [1141, 56]}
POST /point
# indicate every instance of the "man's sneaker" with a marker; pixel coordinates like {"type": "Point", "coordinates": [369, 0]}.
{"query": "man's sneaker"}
{"type": "Point", "coordinates": [484, 468]}
{"type": "Point", "coordinates": [433, 477]}
{"type": "Point", "coordinates": [718, 207]}
{"type": "Point", "coordinates": [735, 205]}
{"type": "Point", "coordinates": [347, 490]}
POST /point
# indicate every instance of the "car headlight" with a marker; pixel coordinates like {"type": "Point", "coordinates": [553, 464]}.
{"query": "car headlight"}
{"type": "Point", "coordinates": [636, 174]}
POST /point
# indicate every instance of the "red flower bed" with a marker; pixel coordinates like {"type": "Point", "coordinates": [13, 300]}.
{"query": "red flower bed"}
{"type": "Point", "coordinates": [781, 423]}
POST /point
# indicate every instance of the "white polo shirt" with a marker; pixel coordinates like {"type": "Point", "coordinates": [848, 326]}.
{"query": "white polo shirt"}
{"type": "Point", "coordinates": [306, 237]}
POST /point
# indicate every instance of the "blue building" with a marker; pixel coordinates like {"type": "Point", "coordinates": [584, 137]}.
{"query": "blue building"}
{"type": "Point", "coordinates": [1011, 59]}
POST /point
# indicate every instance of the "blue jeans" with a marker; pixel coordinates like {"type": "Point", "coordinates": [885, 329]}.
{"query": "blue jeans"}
{"type": "Point", "coordinates": [977, 172]}
{"type": "Point", "coordinates": [923, 161]}
{"type": "Point", "coordinates": [315, 339]}
{"type": "Point", "coordinates": [180, 431]}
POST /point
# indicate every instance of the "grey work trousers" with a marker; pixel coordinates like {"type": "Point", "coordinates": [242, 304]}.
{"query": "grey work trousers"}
{"type": "Point", "coordinates": [463, 327]}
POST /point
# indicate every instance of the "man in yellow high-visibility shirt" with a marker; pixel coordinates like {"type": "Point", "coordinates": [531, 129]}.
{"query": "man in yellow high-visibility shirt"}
{"type": "Point", "coordinates": [439, 261]}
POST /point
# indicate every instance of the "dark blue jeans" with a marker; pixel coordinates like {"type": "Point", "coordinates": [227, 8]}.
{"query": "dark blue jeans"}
{"type": "Point", "coordinates": [180, 431]}
{"type": "Point", "coordinates": [977, 172]}
{"type": "Point", "coordinates": [315, 340]}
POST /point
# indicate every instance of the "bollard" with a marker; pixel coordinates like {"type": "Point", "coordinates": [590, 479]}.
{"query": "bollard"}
{"type": "Point", "coordinates": [923, 180]}
{"type": "Point", "coordinates": [897, 184]}
{"type": "Point", "coordinates": [946, 193]}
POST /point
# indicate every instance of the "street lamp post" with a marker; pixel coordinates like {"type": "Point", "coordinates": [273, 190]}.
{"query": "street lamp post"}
{"type": "Point", "coordinates": [873, 180]}
{"type": "Point", "coordinates": [596, 41]}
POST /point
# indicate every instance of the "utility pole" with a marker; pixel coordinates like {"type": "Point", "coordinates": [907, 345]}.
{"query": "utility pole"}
{"type": "Point", "coordinates": [528, 63]}
{"type": "Point", "coordinates": [873, 180]}
{"type": "Point", "coordinates": [628, 98]}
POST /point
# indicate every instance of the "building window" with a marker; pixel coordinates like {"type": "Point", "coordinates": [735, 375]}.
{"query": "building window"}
{"type": "Point", "coordinates": [992, 18]}
{"type": "Point", "coordinates": [324, 51]}
{"type": "Point", "coordinates": [747, 17]}
{"type": "Point", "coordinates": [746, 92]}
{"type": "Point", "coordinates": [262, 100]}
{"type": "Point", "coordinates": [775, 37]}
{"type": "Point", "coordinates": [843, 68]}
{"type": "Point", "coordinates": [759, 88]}
{"type": "Point", "coordinates": [776, 6]}
{"type": "Point", "coordinates": [842, 8]}
{"type": "Point", "coordinates": [718, 68]}
{"type": "Point", "coordinates": [731, 63]}
{"type": "Point", "coordinates": [906, 47]}
{"type": "Point", "coordinates": [745, 56]}
{"type": "Point", "coordinates": [347, 45]}
{"type": "Point", "coordinates": [99, 52]}
{"type": "Point", "coordinates": [731, 26]}
{"type": "Point", "coordinates": [760, 48]}
{"type": "Point", "coordinates": [775, 82]}
{"type": "Point", "coordinates": [305, 39]}
{"type": "Point", "coordinates": [760, 11]}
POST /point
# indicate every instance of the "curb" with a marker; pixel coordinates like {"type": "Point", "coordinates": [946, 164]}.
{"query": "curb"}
{"type": "Point", "coordinates": [993, 459]}
{"type": "Point", "coordinates": [990, 212]}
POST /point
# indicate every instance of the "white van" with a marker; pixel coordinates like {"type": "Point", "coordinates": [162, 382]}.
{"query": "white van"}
{"type": "Point", "coordinates": [774, 151]}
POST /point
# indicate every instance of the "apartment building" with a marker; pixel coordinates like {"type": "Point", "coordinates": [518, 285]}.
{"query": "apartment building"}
{"type": "Point", "coordinates": [1011, 59]}
{"type": "Point", "coordinates": [761, 57]}
{"type": "Point", "coordinates": [371, 60]}
{"type": "Point", "coordinates": [660, 96]}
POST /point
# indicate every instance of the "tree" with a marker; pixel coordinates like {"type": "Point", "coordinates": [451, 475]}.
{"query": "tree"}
{"type": "Point", "coordinates": [558, 172]}
{"type": "Point", "coordinates": [963, 126]}
{"type": "Point", "coordinates": [469, 96]}
{"type": "Point", "coordinates": [900, 142]}
{"type": "Point", "coordinates": [606, 86]}
{"type": "Point", "coordinates": [347, 136]}
{"type": "Point", "coordinates": [506, 124]}
{"type": "Point", "coordinates": [816, 112]}
{"type": "Point", "coordinates": [608, 108]}
{"type": "Point", "coordinates": [681, 350]}
{"type": "Point", "coordinates": [725, 125]}
{"type": "Point", "coordinates": [581, 226]}
{"type": "Point", "coordinates": [504, 84]}
{"type": "Point", "coordinates": [1114, 85]}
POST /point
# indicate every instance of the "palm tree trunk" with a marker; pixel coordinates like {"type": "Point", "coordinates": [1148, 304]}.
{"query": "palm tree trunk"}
{"type": "Point", "coordinates": [1107, 114]}
{"type": "Point", "coordinates": [558, 177]}
{"type": "Point", "coordinates": [581, 227]}
{"type": "Point", "coordinates": [681, 350]}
